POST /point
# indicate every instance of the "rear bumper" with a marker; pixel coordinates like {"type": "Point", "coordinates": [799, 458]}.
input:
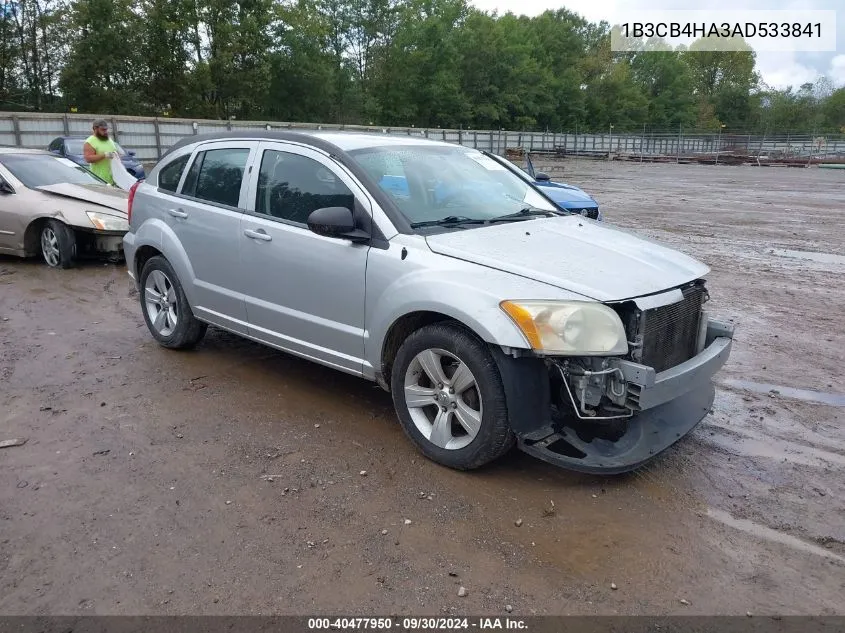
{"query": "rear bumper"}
{"type": "Point", "coordinates": [129, 252]}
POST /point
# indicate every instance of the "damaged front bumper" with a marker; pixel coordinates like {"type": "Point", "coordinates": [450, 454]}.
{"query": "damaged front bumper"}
{"type": "Point", "coordinates": [663, 407]}
{"type": "Point", "coordinates": [96, 243]}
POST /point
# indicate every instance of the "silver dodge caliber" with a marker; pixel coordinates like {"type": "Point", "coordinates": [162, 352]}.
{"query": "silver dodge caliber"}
{"type": "Point", "coordinates": [440, 273]}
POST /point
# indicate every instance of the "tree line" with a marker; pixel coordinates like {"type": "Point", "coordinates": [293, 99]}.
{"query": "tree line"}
{"type": "Point", "coordinates": [424, 63]}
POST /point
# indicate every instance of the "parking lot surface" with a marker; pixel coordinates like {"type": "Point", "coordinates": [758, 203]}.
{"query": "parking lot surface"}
{"type": "Point", "coordinates": [235, 479]}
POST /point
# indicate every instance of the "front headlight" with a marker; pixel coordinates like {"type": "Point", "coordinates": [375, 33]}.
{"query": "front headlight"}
{"type": "Point", "coordinates": [572, 328]}
{"type": "Point", "coordinates": [106, 222]}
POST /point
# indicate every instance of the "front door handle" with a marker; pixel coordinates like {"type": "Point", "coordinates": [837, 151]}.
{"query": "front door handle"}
{"type": "Point", "coordinates": [177, 213]}
{"type": "Point", "coordinates": [260, 234]}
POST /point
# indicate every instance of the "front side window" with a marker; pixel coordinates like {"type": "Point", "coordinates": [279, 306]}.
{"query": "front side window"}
{"type": "Point", "coordinates": [429, 183]}
{"type": "Point", "coordinates": [291, 187]}
{"type": "Point", "coordinates": [216, 176]}
{"type": "Point", "coordinates": [169, 176]}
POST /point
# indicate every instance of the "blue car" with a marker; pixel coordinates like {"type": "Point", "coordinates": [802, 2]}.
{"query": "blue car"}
{"type": "Point", "coordinates": [567, 197]}
{"type": "Point", "coordinates": [71, 148]}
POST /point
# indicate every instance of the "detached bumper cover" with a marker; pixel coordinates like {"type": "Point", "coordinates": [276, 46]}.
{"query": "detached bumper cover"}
{"type": "Point", "coordinates": [648, 390]}
{"type": "Point", "coordinates": [671, 404]}
{"type": "Point", "coordinates": [647, 435]}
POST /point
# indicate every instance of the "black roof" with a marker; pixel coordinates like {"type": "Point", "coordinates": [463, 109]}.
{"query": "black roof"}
{"type": "Point", "coordinates": [265, 135]}
{"type": "Point", "coordinates": [389, 207]}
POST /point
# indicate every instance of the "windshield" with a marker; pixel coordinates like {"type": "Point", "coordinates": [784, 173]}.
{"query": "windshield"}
{"type": "Point", "coordinates": [74, 146]}
{"type": "Point", "coordinates": [38, 170]}
{"type": "Point", "coordinates": [430, 183]}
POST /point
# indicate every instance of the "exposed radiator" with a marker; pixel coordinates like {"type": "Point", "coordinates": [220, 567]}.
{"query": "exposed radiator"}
{"type": "Point", "coordinates": [670, 333]}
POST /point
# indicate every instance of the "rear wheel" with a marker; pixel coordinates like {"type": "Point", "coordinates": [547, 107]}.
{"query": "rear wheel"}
{"type": "Point", "coordinates": [449, 397]}
{"type": "Point", "coordinates": [58, 244]}
{"type": "Point", "coordinates": [166, 310]}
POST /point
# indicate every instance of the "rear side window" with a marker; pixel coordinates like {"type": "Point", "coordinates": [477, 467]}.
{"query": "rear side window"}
{"type": "Point", "coordinates": [169, 176]}
{"type": "Point", "coordinates": [216, 176]}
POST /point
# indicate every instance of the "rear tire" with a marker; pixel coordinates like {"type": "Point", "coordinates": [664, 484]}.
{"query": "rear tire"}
{"type": "Point", "coordinates": [58, 244]}
{"type": "Point", "coordinates": [449, 397]}
{"type": "Point", "coordinates": [166, 310]}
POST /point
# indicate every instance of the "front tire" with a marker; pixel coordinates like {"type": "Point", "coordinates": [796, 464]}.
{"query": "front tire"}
{"type": "Point", "coordinates": [166, 310]}
{"type": "Point", "coordinates": [449, 397]}
{"type": "Point", "coordinates": [58, 244]}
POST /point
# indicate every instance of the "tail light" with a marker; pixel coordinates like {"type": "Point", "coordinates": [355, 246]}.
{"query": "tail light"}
{"type": "Point", "coordinates": [130, 201]}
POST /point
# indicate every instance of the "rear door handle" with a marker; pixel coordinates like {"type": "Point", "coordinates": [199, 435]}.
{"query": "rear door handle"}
{"type": "Point", "coordinates": [177, 213]}
{"type": "Point", "coordinates": [260, 234]}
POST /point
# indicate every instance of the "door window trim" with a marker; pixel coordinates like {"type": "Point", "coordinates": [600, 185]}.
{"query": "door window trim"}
{"type": "Point", "coordinates": [355, 189]}
{"type": "Point", "coordinates": [181, 175]}
{"type": "Point", "coordinates": [363, 201]}
{"type": "Point", "coordinates": [252, 146]}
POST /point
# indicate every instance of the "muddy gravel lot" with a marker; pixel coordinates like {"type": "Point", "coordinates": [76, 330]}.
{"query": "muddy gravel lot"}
{"type": "Point", "coordinates": [230, 479]}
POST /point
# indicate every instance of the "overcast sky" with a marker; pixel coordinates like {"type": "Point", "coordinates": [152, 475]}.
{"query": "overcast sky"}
{"type": "Point", "coordinates": [778, 69]}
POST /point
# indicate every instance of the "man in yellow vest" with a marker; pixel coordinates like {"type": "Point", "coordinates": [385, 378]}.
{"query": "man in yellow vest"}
{"type": "Point", "coordinates": [99, 149]}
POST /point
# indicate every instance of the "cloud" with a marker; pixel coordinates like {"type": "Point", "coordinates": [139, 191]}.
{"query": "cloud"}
{"type": "Point", "coordinates": [837, 70]}
{"type": "Point", "coordinates": [778, 69]}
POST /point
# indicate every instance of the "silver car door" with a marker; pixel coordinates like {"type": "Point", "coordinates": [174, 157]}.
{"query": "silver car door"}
{"type": "Point", "coordinates": [304, 292]}
{"type": "Point", "coordinates": [12, 223]}
{"type": "Point", "coordinates": [205, 216]}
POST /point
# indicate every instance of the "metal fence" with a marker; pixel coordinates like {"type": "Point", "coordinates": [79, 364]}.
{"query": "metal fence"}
{"type": "Point", "coordinates": [150, 138]}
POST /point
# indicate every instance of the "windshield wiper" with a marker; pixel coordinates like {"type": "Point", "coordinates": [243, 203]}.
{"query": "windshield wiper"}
{"type": "Point", "coordinates": [450, 220]}
{"type": "Point", "coordinates": [522, 214]}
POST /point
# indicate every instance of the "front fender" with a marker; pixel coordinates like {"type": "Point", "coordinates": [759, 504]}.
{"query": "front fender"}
{"type": "Point", "coordinates": [424, 281]}
{"type": "Point", "coordinates": [161, 237]}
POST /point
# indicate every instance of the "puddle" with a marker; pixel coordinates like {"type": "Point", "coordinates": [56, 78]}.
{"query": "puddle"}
{"type": "Point", "coordinates": [822, 397]}
{"type": "Point", "coordinates": [822, 258]}
{"type": "Point", "coordinates": [787, 451]}
{"type": "Point", "coordinates": [768, 534]}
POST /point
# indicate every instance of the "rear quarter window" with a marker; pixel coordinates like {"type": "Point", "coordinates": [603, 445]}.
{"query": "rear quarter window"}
{"type": "Point", "coordinates": [171, 174]}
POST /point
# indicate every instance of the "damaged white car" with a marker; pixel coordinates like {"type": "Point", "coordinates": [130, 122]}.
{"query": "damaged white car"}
{"type": "Point", "coordinates": [53, 207]}
{"type": "Point", "coordinates": [491, 316]}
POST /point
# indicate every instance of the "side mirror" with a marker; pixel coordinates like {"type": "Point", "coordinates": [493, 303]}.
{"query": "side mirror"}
{"type": "Point", "coordinates": [336, 222]}
{"type": "Point", "coordinates": [5, 187]}
{"type": "Point", "coordinates": [542, 176]}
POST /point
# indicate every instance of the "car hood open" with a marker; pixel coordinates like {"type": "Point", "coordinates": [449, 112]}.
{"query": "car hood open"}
{"type": "Point", "coordinates": [111, 197]}
{"type": "Point", "coordinates": [573, 253]}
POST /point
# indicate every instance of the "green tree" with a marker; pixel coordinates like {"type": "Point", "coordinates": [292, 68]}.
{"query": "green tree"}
{"type": "Point", "coordinates": [834, 111]}
{"type": "Point", "coordinates": [666, 82]}
{"type": "Point", "coordinates": [723, 78]}
{"type": "Point", "coordinates": [98, 76]}
{"type": "Point", "coordinates": [422, 85]}
{"type": "Point", "coordinates": [166, 35]}
{"type": "Point", "coordinates": [561, 40]}
{"type": "Point", "coordinates": [304, 69]}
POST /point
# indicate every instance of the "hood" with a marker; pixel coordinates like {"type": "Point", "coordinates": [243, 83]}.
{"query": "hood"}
{"type": "Point", "coordinates": [567, 195]}
{"type": "Point", "coordinates": [111, 197]}
{"type": "Point", "coordinates": [575, 254]}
